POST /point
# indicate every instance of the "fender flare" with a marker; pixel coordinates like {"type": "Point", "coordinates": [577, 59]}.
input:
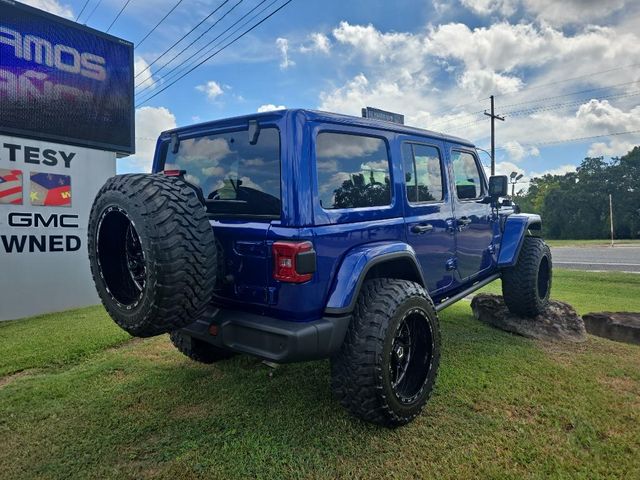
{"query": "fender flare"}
{"type": "Point", "coordinates": [355, 266]}
{"type": "Point", "coordinates": [516, 227]}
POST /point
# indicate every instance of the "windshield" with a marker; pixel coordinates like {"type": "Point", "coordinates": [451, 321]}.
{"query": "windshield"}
{"type": "Point", "coordinates": [236, 178]}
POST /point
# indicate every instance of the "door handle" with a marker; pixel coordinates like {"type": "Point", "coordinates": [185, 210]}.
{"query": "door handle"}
{"type": "Point", "coordinates": [422, 228]}
{"type": "Point", "coordinates": [464, 221]}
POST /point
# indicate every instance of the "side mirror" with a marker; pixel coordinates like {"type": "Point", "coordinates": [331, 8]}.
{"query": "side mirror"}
{"type": "Point", "coordinates": [498, 186]}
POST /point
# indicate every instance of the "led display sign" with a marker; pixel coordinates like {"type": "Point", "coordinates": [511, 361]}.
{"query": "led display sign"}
{"type": "Point", "coordinates": [63, 81]}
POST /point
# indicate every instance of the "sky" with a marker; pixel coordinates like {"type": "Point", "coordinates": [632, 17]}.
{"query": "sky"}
{"type": "Point", "coordinates": [559, 70]}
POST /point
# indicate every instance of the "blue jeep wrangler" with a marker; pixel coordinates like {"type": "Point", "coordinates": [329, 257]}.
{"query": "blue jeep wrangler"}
{"type": "Point", "coordinates": [299, 235]}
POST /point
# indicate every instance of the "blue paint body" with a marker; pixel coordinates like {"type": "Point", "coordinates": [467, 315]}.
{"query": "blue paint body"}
{"type": "Point", "coordinates": [353, 243]}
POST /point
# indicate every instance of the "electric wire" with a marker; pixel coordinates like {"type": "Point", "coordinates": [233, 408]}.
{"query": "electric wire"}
{"type": "Point", "coordinates": [539, 100]}
{"type": "Point", "coordinates": [575, 139]}
{"type": "Point", "coordinates": [158, 24]}
{"type": "Point", "coordinates": [172, 72]}
{"type": "Point", "coordinates": [82, 11]}
{"type": "Point", "coordinates": [182, 38]}
{"type": "Point", "coordinates": [253, 27]}
{"type": "Point", "coordinates": [564, 80]}
{"type": "Point", "coordinates": [93, 10]}
{"type": "Point", "coordinates": [616, 85]}
{"type": "Point", "coordinates": [188, 46]}
{"type": "Point", "coordinates": [118, 15]}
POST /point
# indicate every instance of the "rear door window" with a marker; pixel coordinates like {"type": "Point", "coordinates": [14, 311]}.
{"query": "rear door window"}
{"type": "Point", "coordinates": [466, 173]}
{"type": "Point", "coordinates": [423, 173]}
{"type": "Point", "coordinates": [236, 178]}
{"type": "Point", "coordinates": [352, 171]}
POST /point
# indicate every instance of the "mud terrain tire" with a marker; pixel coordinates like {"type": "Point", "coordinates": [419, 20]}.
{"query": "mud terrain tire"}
{"type": "Point", "coordinates": [527, 285]}
{"type": "Point", "coordinates": [152, 253]}
{"type": "Point", "coordinates": [365, 372]}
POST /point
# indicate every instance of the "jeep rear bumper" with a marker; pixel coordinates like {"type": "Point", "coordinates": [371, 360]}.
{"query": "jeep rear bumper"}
{"type": "Point", "coordinates": [276, 340]}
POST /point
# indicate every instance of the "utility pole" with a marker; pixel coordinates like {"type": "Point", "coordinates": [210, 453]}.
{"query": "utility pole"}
{"type": "Point", "coordinates": [611, 217]}
{"type": "Point", "coordinates": [493, 134]}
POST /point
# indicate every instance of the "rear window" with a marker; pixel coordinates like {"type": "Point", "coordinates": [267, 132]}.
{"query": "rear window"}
{"type": "Point", "coordinates": [353, 171]}
{"type": "Point", "coordinates": [236, 178]}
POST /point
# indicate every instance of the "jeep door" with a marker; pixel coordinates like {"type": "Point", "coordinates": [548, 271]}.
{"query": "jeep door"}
{"type": "Point", "coordinates": [428, 210]}
{"type": "Point", "coordinates": [473, 226]}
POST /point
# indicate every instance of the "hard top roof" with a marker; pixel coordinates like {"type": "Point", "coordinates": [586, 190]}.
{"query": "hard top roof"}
{"type": "Point", "coordinates": [319, 116]}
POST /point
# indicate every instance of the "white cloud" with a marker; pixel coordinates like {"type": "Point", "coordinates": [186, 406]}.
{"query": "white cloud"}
{"type": "Point", "coordinates": [486, 7]}
{"type": "Point", "coordinates": [561, 170]}
{"type": "Point", "coordinates": [553, 12]}
{"type": "Point", "coordinates": [150, 122]}
{"type": "Point", "coordinates": [478, 82]}
{"type": "Point", "coordinates": [505, 168]}
{"type": "Point", "coordinates": [283, 46]}
{"type": "Point", "coordinates": [563, 12]}
{"type": "Point", "coordinates": [404, 72]}
{"type": "Point", "coordinates": [52, 6]}
{"type": "Point", "coordinates": [616, 147]}
{"type": "Point", "coordinates": [318, 42]}
{"type": "Point", "coordinates": [516, 152]}
{"type": "Point", "coordinates": [270, 108]}
{"type": "Point", "coordinates": [146, 79]}
{"type": "Point", "coordinates": [212, 89]}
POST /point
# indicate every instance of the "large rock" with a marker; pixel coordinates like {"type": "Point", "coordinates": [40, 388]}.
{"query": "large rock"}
{"type": "Point", "coordinates": [560, 322]}
{"type": "Point", "coordinates": [619, 326]}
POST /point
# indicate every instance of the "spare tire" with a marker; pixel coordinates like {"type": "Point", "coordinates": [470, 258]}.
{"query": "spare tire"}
{"type": "Point", "coordinates": [152, 253]}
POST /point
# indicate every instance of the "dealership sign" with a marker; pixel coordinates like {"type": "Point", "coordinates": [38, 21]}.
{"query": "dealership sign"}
{"type": "Point", "coordinates": [46, 193]}
{"type": "Point", "coordinates": [64, 82]}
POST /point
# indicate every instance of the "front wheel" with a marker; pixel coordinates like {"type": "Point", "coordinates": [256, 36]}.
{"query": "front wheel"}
{"type": "Point", "coordinates": [527, 285]}
{"type": "Point", "coordinates": [386, 368]}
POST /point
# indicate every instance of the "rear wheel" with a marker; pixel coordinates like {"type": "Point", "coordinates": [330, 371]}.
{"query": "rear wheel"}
{"type": "Point", "coordinates": [527, 285]}
{"type": "Point", "coordinates": [152, 253]}
{"type": "Point", "coordinates": [385, 371]}
{"type": "Point", "coordinates": [198, 350]}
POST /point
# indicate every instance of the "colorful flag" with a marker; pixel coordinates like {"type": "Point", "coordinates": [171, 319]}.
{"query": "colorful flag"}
{"type": "Point", "coordinates": [50, 189]}
{"type": "Point", "coordinates": [10, 186]}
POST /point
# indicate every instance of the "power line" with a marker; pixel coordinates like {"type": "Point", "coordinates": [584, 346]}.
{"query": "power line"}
{"type": "Point", "coordinates": [195, 63]}
{"type": "Point", "coordinates": [118, 15]}
{"type": "Point", "coordinates": [182, 38]}
{"type": "Point", "coordinates": [194, 41]}
{"type": "Point", "coordinates": [576, 139]}
{"type": "Point", "coordinates": [555, 106]}
{"type": "Point", "coordinates": [172, 73]}
{"type": "Point", "coordinates": [82, 11]}
{"type": "Point", "coordinates": [478, 100]}
{"type": "Point", "coordinates": [570, 94]}
{"type": "Point", "coordinates": [543, 107]}
{"type": "Point", "coordinates": [564, 80]}
{"type": "Point", "coordinates": [92, 11]}
{"type": "Point", "coordinates": [158, 24]}
{"type": "Point", "coordinates": [256, 25]}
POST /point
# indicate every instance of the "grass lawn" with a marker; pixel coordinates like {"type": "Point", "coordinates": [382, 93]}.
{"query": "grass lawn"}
{"type": "Point", "coordinates": [590, 243]}
{"type": "Point", "coordinates": [83, 404]}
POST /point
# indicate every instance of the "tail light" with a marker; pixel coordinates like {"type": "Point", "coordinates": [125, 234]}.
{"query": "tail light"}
{"type": "Point", "coordinates": [294, 262]}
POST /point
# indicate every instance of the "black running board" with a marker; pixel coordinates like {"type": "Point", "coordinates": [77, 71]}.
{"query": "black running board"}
{"type": "Point", "coordinates": [446, 302]}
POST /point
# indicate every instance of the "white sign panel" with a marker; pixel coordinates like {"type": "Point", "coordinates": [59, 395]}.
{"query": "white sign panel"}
{"type": "Point", "coordinates": [46, 192]}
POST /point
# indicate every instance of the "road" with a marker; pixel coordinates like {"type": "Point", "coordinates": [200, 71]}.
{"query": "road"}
{"type": "Point", "coordinates": [620, 259]}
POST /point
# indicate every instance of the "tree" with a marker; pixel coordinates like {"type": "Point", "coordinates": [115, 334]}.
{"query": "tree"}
{"type": "Point", "coordinates": [576, 204]}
